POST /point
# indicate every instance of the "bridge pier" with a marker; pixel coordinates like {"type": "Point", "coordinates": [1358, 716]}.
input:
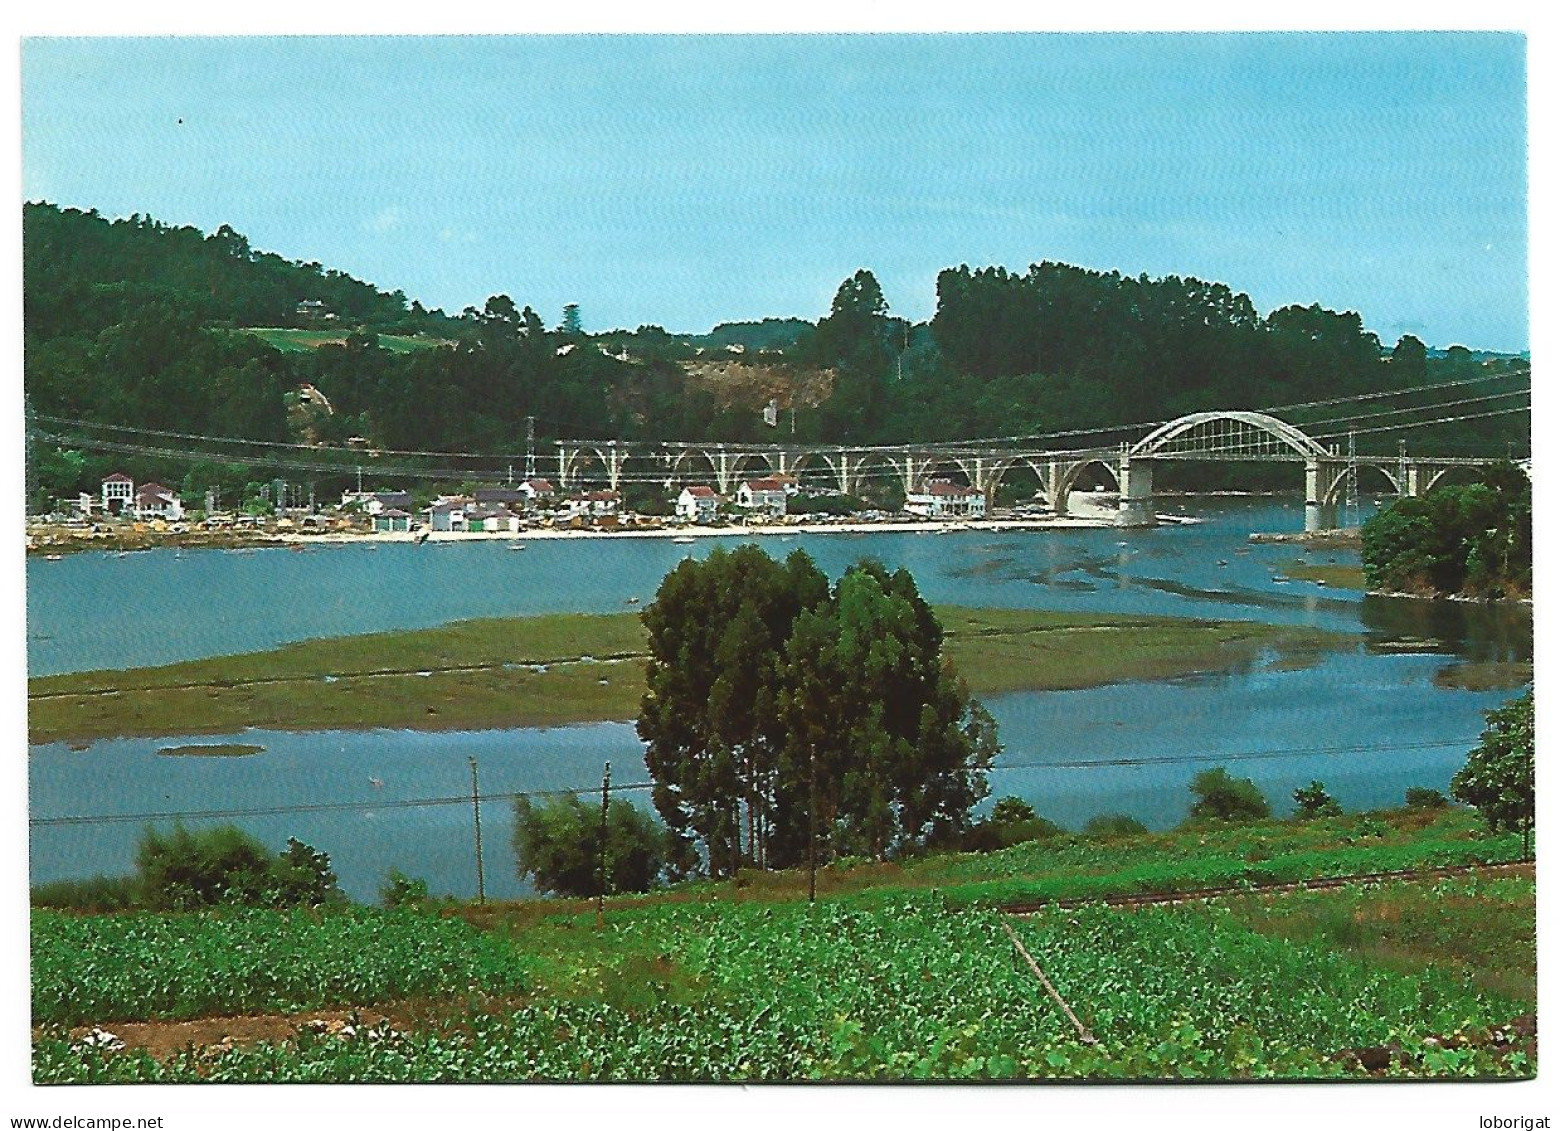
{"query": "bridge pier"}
{"type": "Point", "coordinates": [1319, 513]}
{"type": "Point", "coordinates": [1136, 507]}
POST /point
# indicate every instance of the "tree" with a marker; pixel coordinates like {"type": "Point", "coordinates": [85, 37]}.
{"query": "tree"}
{"type": "Point", "coordinates": [1109, 826]}
{"type": "Point", "coordinates": [717, 629]}
{"type": "Point", "coordinates": [1314, 801]}
{"type": "Point", "coordinates": [182, 870]}
{"type": "Point", "coordinates": [570, 326]}
{"type": "Point", "coordinates": [1497, 779]}
{"type": "Point", "coordinates": [557, 844]}
{"type": "Point", "coordinates": [899, 748]}
{"type": "Point", "coordinates": [1221, 797]}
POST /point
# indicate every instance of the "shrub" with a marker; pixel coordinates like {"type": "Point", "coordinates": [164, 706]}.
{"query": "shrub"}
{"type": "Point", "coordinates": [557, 845]}
{"type": "Point", "coordinates": [1223, 798]}
{"type": "Point", "coordinates": [182, 870]}
{"type": "Point", "coordinates": [1110, 826]}
{"type": "Point", "coordinates": [1314, 801]}
{"type": "Point", "coordinates": [1419, 797]}
{"type": "Point", "coordinates": [1497, 779]}
{"type": "Point", "coordinates": [95, 894]}
{"type": "Point", "coordinates": [401, 890]}
{"type": "Point", "coordinates": [1010, 810]}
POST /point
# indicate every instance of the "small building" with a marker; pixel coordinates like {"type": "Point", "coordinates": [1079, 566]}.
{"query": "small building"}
{"type": "Point", "coordinates": [448, 515]}
{"type": "Point", "coordinates": [942, 499]}
{"type": "Point", "coordinates": [381, 501]}
{"type": "Point", "coordinates": [153, 500]}
{"type": "Point", "coordinates": [492, 518]}
{"type": "Point", "coordinates": [391, 521]}
{"type": "Point", "coordinates": [538, 492]}
{"type": "Point", "coordinates": [118, 493]}
{"type": "Point", "coordinates": [766, 496]}
{"type": "Point", "coordinates": [313, 310]}
{"type": "Point", "coordinates": [591, 504]}
{"type": "Point", "coordinates": [698, 503]}
{"type": "Point", "coordinates": [501, 496]}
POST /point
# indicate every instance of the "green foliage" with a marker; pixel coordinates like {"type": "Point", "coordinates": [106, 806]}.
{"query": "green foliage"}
{"type": "Point", "coordinates": [1497, 779]}
{"type": "Point", "coordinates": [181, 870]}
{"type": "Point", "coordinates": [1221, 797]}
{"type": "Point", "coordinates": [1420, 797]}
{"type": "Point", "coordinates": [1113, 826]}
{"type": "Point", "coordinates": [557, 845]}
{"type": "Point", "coordinates": [401, 890]}
{"type": "Point", "coordinates": [142, 965]}
{"type": "Point", "coordinates": [1010, 810]}
{"type": "Point", "coordinates": [908, 990]}
{"type": "Point", "coordinates": [96, 894]}
{"type": "Point", "coordinates": [1314, 801]}
{"type": "Point", "coordinates": [1475, 540]}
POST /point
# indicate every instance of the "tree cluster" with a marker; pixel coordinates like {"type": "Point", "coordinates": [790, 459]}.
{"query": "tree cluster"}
{"type": "Point", "coordinates": [1474, 541]}
{"type": "Point", "coordinates": [558, 846]}
{"type": "Point", "coordinates": [1497, 779]}
{"type": "Point", "coordinates": [782, 716]}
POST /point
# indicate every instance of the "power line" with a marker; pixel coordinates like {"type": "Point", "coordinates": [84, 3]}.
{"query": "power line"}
{"type": "Point", "coordinates": [626, 787]}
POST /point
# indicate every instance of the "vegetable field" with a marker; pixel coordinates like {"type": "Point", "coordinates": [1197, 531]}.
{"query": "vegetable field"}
{"type": "Point", "coordinates": [905, 988]}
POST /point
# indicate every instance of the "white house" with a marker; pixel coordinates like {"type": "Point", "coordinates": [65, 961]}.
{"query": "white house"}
{"type": "Point", "coordinates": [493, 518]}
{"type": "Point", "coordinates": [448, 514]}
{"type": "Point", "coordinates": [118, 493]}
{"type": "Point", "coordinates": [697, 503]}
{"type": "Point", "coordinates": [392, 520]}
{"type": "Point", "coordinates": [766, 495]}
{"type": "Point", "coordinates": [153, 500]}
{"type": "Point", "coordinates": [538, 492]}
{"type": "Point", "coordinates": [382, 501]}
{"type": "Point", "coordinates": [942, 499]}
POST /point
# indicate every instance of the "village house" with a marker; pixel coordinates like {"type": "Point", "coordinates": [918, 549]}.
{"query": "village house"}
{"type": "Point", "coordinates": [698, 503]}
{"type": "Point", "coordinates": [118, 493]}
{"type": "Point", "coordinates": [449, 514]}
{"type": "Point", "coordinates": [388, 521]}
{"type": "Point", "coordinates": [153, 500]}
{"type": "Point", "coordinates": [766, 496]}
{"type": "Point", "coordinates": [386, 500]}
{"type": "Point", "coordinates": [501, 496]}
{"type": "Point", "coordinates": [942, 499]}
{"type": "Point", "coordinates": [538, 492]}
{"type": "Point", "coordinates": [493, 518]}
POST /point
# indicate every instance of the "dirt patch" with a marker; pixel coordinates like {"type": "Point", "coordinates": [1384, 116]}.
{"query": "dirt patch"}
{"type": "Point", "coordinates": [735, 385]}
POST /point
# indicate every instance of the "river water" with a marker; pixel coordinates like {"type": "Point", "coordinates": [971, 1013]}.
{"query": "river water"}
{"type": "Point", "coordinates": [1369, 720]}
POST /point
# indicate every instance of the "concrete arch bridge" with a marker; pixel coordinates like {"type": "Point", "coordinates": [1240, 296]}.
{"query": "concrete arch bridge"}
{"type": "Point", "coordinates": [1229, 437]}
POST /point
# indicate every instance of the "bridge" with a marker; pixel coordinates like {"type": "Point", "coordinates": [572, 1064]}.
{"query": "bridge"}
{"type": "Point", "coordinates": [1227, 437]}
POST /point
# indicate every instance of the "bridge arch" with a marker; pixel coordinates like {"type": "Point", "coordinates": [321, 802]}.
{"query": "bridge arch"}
{"type": "Point", "coordinates": [1233, 433]}
{"type": "Point", "coordinates": [742, 465]}
{"type": "Point", "coordinates": [1335, 487]}
{"type": "Point", "coordinates": [1470, 472]}
{"type": "Point", "coordinates": [1001, 470]}
{"type": "Point", "coordinates": [687, 465]}
{"type": "Point", "coordinates": [1074, 471]}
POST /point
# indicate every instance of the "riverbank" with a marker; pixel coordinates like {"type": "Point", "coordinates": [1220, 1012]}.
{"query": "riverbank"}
{"type": "Point", "coordinates": [571, 668]}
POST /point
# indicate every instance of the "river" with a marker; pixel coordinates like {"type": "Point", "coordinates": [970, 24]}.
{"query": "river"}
{"type": "Point", "coordinates": [1369, 720]}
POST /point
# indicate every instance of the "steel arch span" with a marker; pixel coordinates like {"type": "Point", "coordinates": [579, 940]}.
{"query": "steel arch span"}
{"type": "Point", "coordinates": [1163, 440]}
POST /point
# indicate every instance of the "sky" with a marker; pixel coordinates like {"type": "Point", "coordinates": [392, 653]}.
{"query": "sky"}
{"type": "Point", "coordinates": [688, 180]}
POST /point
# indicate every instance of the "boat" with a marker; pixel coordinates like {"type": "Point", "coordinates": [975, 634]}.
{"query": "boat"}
{"type": "Point", "coordinates": [632, 601]}
{"type": "Point", "coordinates": [51, 557]}
{"type": "Point", "coordinates": [683, 539]}
{"type": "Point", "coordinates": [516, 546]}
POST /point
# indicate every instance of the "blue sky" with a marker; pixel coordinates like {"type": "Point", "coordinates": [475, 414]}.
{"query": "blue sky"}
{"type": "Point", "coordinates": [686, 180]}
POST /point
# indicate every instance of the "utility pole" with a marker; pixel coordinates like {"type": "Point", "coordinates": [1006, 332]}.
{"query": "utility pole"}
{"type": "Point", "coordinates": [530, 448]}
{"type": "Point", "coordinates": [476, 814]}
{"type": "Point", "coordinates": [360, 480]}
{"type": "Point", "coordinates": [601, 886]}
{"type": "Point", "coordinates": [1351, 493]}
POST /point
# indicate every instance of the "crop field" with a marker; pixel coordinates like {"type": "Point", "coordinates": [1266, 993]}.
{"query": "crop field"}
{"type": "Point", "coordinates": [303, 341]}
{"type": "Point", "coordinates": [906, 986]}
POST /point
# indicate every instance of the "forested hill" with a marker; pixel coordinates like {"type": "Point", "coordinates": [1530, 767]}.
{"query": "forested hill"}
{"type": "Point", "coordinates": [134, 322]}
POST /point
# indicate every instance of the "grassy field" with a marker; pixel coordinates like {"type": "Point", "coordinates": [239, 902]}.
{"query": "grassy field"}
{"type": "Point", "coordinates": [549, 670]}
{"type": "Point", "coordinates": [883, 979]}
{"type": "Point", "coordinates": [302, 341]}
{"type": "Point", "coordinates": [1330, 574]}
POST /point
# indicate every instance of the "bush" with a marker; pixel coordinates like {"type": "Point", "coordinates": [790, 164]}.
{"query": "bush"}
{"type": "Point", "coordinates": [558, 844]}
{"type": "Point", "coordinates": [1011, 810]}
{"type": "Point", "coordinates": [183, 870]}
{"type": "Point", "coordinates": [1497, 779]}
{"type": "Point", "coordinates": [990, 835]}
{"type": "Point", "coordinates": [1110, 826]}
{"type": "Point", "coordinates": [1419, 797]}
{"type": "Point", "coordinates": [1314, 801]}
{"type": "Point", "coordinates": [96, 894]}
{"type": "Point", "coordinates": [1223, 798]}
{"type": "Point", "coordinates": [401, 890]}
